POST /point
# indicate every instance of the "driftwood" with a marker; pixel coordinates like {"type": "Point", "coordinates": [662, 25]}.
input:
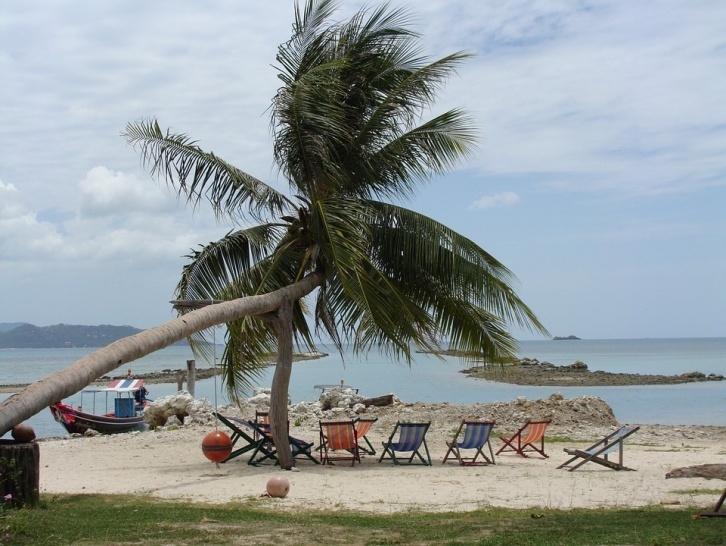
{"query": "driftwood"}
{"type": "Point", "coordinates": [710, 472]}
{"type": "Point", "coordinates": [380, 401]}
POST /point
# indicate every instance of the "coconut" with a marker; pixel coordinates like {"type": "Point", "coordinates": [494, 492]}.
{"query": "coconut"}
{"type": "Point", "coordinates": [23, 433]}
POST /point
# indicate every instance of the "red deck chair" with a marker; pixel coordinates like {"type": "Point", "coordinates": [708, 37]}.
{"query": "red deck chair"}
{"type": "Point", "coordinates": [362, 426]}
{"type": "Point", "coordinates": [525, 438]}
{"type": "Point", "coordinates": [338, 437]}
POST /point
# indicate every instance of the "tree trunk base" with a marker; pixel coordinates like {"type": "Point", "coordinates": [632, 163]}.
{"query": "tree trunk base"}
{"type": "Point", "coordinates": [19, 473]}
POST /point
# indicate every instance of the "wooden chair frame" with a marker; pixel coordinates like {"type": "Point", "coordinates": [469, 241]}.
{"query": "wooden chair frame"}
{"type": "Point", "coordinates": [599, 452]}
{"type": "Point", "coordinates": [525, 439]}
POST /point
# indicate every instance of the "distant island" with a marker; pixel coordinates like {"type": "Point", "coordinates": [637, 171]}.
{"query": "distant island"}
{"type": "Point", "coordinates": [558, 338]}
{"type": "Point", "coordinates": [28, 336]}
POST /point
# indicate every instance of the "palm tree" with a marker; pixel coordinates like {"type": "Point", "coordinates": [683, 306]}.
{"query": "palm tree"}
{"type": "Point", "coordinates": [349, 137]}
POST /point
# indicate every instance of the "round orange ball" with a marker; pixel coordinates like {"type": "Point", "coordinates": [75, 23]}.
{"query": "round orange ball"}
{"type": "Point", "coordinates": [277, 486]}
{"type": "Point", "coordinates": [217, 446]}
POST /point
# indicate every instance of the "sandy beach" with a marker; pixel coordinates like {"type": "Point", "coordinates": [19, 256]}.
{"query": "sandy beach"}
{"type": "Point", "coordinates": [169, 464]}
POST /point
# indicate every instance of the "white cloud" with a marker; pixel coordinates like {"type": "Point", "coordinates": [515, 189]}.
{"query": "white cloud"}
{"type": "Point", "coordinates": [22, 235]}
{"type": "Point", "coordinates": [503, 199]}
{"type": "Point", "coordinates": [583, 107]}
{"type": "Point", "coordinates": [105, 193]}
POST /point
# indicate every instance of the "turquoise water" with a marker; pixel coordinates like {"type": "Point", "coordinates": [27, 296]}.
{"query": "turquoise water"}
{"type": "Point", "coordinates": [432, 380]}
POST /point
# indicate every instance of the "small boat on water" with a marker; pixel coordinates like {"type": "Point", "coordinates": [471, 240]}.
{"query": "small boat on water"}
{"type": "Point", "coordinates": [128, 397]}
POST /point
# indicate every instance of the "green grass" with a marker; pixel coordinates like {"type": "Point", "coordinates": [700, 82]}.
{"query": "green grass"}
{"type": "Point", "coordinates": [715, 492]}
{"type": "Point", "coordinates": [112, 519]}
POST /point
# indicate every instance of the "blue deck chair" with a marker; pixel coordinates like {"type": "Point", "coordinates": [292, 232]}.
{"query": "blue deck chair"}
{"type": "Point", "coordinates": [411, 436]}
{"type": "Point", "coordinates": [475, 436]}
{"type": "Point", "coordinates": [598, 452]}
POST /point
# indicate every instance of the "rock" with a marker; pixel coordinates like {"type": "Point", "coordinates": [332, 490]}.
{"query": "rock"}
{"type": "Point", "coordinates": [339, 398]}
{"type": "Point", "coordinates": [172, 421]}
{"type": "Point", "coordinates": [179, 405]}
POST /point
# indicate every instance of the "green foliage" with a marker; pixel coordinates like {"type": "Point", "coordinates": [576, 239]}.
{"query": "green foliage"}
{"type": "Point", "coordinates": [98, 519]}
{"type": "Point", "coordinates": [350, 133]}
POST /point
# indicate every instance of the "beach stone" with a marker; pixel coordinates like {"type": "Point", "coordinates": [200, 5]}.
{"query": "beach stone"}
{"type": "Point", "coordinates": [172, 421]}
{"type": "Point", "coordinates": [179, 405]}
{"type": "Point", "coordinates": [261, 390]}
{"type": "Point", "coordinates": [339, 397]}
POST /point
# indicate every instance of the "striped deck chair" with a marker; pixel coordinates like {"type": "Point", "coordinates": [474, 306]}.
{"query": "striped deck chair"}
{"type": "Point", "coordinates": [260, 443]}
{"type": "Point", "coordinates": [247, 433]}
{"type": "Point", "coordinates": [362, 426]}
{"type": "Point", "coordinates": [262, 418]}
{"type": "Point", "coordinates": [599, 451]}
{"type": "Point", "coordinates": [338, 437]}
{"type": "Point", "coordinates": [475, 436]}
{"type": "Point", "coordinates": [411, 436]}
{"type": "Point", "coordinates": [525, 438]}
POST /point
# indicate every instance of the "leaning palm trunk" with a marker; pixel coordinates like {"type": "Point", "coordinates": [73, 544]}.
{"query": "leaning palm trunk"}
{"type": "Point", "coordinates": [41, 394]}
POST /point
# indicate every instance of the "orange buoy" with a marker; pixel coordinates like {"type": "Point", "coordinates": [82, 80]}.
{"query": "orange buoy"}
{"type": "Point", "coordinates": [277, 486]}
{"type": "Point", "coordinates": [217, 446]}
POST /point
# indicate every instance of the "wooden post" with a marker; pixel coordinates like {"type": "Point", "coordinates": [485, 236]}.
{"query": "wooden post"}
{"type": "Point", "coordinates": [191, 376]}
{"type": "Point", "coordinates": [19, 472]}
{"type": "Point", "coordinates": [179, 380]}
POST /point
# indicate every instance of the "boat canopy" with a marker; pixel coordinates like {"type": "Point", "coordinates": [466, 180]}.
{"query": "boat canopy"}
{"type": "Point", "coordinates": [120, 386]}
{"type": "Point", "coordinates": [124, 385]}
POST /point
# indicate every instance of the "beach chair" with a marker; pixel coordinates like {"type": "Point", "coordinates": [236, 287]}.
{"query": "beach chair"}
{"type": "Point", "coordinates": [599, 452]}
{"type": "Point", "coordinates": [474, 435]}
{"type": "Point", "coordinates": [525, 439]}
{"type": "Point", "coordinates": [338, 442]}
{"type": "Point", "coordinates": [260, 443]}
{"type": "Point", "coordinates": [716, 512]}
{"type": "Point", "coordinates": [362, 426]}
{"type": "Point", "coordinates": [411, 436]}
{"type": "Point", "coordinates": [262, 417]}
{"type": "Point", "coordinates": [247, 432]}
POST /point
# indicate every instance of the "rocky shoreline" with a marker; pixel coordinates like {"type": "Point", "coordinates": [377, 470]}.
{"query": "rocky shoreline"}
{"type": "Point", "coordinates": [531, 372]}
{"type": "Point", "coordinates": [164, 376]}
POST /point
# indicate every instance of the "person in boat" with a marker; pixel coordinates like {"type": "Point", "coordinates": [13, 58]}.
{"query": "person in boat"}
{"type": "Point", "coordinates": [140, 397]}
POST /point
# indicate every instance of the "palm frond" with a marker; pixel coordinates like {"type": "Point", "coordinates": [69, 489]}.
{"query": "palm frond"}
{"type": "Point", "coordinates": [198, 174]}
{"type": "Point", "coordinates": [440, 268]}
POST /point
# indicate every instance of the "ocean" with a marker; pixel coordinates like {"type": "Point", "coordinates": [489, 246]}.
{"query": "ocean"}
{"type": "Point", "coordinates": [429, 379]}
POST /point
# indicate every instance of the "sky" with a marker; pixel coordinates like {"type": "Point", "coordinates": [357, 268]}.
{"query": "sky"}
{"type": "Point", "coordinates": [599, 178]}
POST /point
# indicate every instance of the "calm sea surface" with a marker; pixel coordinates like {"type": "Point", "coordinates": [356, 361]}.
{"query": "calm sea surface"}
{"type": "Point", "coordinates": [432, 380]}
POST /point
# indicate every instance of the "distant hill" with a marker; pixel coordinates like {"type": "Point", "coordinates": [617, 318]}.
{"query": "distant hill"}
{"type": "Point", "coordinates": [28, 336]}
{"type": "Point", "coordinates": [7, 326]}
